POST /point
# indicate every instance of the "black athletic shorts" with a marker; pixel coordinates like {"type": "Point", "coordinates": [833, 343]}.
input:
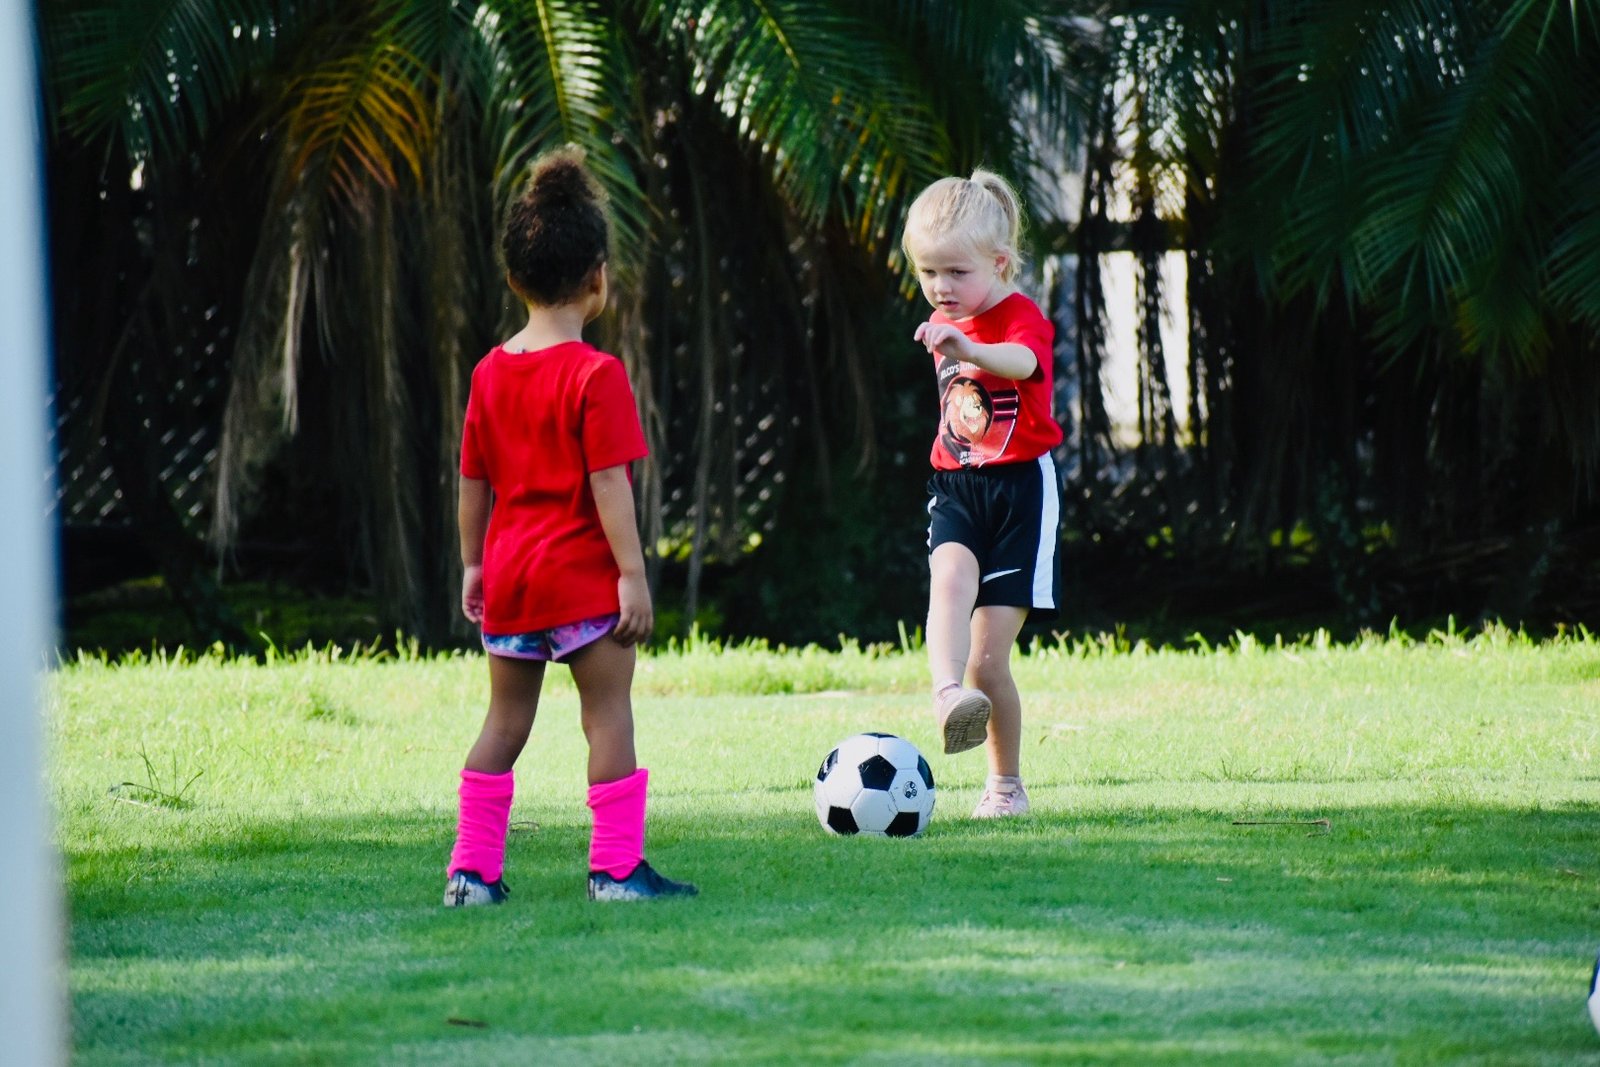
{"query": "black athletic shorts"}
{"type": "Point", "coordinates": [1009, 515]}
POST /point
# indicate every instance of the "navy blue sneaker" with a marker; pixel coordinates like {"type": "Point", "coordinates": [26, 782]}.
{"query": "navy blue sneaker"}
{"type": "Point", "coordinates": [466, 889]}
{"type": "Point", "coordinates": [643, 884]}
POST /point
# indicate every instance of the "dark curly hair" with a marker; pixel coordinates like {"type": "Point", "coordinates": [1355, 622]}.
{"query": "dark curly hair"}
{"type": "Point", "coordinates": [556, 233]}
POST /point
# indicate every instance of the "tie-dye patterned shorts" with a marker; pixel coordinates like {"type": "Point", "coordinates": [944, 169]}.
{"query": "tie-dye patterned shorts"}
{"type": "Point", "coordinates": [552, 644]}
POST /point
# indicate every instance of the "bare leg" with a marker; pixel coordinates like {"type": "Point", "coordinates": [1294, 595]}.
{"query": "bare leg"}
{"type": "Point", "coordinates": [514, 686]}
{"type": "Point", "coordinates": [994, 634]}
{"type": "Point", "coordinates": [952, 590]}
{"type": "Point", "coordinates": [604, 674]}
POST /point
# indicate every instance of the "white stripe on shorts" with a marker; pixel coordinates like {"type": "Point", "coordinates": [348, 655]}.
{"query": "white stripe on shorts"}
{"type": "Point", "coordinates": [1049, 534]}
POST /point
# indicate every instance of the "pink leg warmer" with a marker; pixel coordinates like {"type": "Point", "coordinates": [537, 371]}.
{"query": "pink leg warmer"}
{"type": "Point", "coordinates": [617, 844]}
{"type": "Point", "coordinates": [481, 827]}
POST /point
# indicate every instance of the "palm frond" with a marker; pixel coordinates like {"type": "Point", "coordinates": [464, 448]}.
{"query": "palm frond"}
{"type": "Point", "coordinates": [360, 114]}
{"type": "Point", "coordinates": [159, 71]}
{"type": "Point", "coordinates": [1575, 254]}
{"type": "Point", "coordinates": [555, 72]}
{"type": "Point", "coordinates": [809, 87]}
{"type": "Point", "coordinates": [1549, 16]}
{"type": "Point", "coordinates": [1446, 185]}
{"type": "Point", "coordinates": [1329, 88]}
{"type": "Point", "coordinates": [1402, 140]}
{"type": "Point", "coordinates": [1572, 83]}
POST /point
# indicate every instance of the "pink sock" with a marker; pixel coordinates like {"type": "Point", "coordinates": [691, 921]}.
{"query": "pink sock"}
{"type": "Point", "coordinates": [481, 826]}
{"type": "Point", "coordinates": [617, 844]}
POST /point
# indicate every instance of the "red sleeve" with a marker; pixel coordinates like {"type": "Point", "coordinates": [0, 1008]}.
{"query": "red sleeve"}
{"type": "Point", "coordinates": [471, 451]}
{"type": "Point", "coordinates": [1031, 329]}
{"type": "Point", "coordinates": [612, 435]}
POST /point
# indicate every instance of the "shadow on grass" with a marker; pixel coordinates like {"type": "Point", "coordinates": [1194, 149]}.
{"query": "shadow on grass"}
{"type": "Point", "coordinates": [1398, 934]}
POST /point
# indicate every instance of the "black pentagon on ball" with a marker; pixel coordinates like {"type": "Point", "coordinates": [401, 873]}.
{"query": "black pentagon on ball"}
{"type": "Point", "coordinates": [876, 773]}
{"type": "Point", "coordinates": [926, 772]}
{"type": "Point", "coordinates": [840, 821]}
{"type": "Point", "coordinates": [902, 825]}
{"type": "Point", "coordinates": [827, 765]}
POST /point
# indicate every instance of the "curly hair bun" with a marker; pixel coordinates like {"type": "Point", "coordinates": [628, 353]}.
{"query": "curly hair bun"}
{"type": "Point", "coordinates": [556, 233]}
{"type": "Point", "coordinates": [560, 179]}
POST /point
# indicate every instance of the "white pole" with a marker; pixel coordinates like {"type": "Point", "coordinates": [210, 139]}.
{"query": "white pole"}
{"type": "Point", "coordinates": [32, 997]}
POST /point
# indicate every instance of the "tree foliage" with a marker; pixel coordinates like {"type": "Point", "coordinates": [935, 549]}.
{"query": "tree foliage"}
{"type": "Point", "coordinates": [1387, 211]}
{"type": "Point", "coordinates": [757, 157]}
{"type": "Point", "coordinates": [1388, 216]}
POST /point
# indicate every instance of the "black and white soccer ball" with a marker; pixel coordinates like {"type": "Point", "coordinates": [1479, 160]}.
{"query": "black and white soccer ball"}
{"type": "Point", "coordinates": [1594, 995]}
{"type": "Point", "coordinates": [874, 784]}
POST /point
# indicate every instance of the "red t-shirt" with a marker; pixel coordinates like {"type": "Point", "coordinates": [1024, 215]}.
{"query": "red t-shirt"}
{"type": "Point", "coordinates": [538, 424]}
{"type": "Point", "coordinates": [984, 418]}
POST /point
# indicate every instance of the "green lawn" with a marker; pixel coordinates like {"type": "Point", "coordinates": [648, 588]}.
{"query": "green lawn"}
{"type": "Point", "coordinates": [285, 907]}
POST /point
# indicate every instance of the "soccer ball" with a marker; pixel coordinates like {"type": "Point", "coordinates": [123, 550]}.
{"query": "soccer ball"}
{"type": "Point", "coordinates": [1594, 996]}
{"type": "Point", "coordinates": [874, 784]}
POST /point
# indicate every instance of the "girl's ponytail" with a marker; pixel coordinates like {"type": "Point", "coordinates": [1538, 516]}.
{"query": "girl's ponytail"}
{"type": "Point", "coordinates": [1001, 190]}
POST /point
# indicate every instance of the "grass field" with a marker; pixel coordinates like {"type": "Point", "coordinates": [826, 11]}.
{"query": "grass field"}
{"type": "Point", "coordinates": [1369, 854]}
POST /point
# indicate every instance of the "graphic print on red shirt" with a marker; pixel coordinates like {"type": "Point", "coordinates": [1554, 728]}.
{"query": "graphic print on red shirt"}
{"type": "Point", "coordinates": [984, 418]}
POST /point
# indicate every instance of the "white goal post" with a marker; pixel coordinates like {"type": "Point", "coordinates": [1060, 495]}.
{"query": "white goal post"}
{"type": "Point", "coordinates": [32, 988]}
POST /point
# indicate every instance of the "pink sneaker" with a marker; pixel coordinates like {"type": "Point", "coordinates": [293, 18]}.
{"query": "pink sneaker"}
{"type": "Point", "coordinates": [963, 718]}
{"type": "Point", "coordinates": [999, 803]}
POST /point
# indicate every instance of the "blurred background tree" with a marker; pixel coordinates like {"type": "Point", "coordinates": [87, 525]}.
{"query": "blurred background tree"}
{"type": "Point", "coordinates": [1389, 219]}
{"type": "Point", "coordinates": [274, 226]}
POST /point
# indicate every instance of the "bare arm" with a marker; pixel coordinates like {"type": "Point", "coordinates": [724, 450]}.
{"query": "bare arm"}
{"type": "Point", "coordinates": [472, 520]}
{"type": "Point", "coordinates": [1008, 359]}
{"type": "Point", "coordinates": [613, 497]}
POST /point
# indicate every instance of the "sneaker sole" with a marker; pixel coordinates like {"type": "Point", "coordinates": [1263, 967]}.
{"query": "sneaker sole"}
{"type": "Point", "coordinates": [980, 813]}
{"type": "Point", "coordinates": [471, 896]}
{"type": "Point", "coordinates": [612, 894]}
{"type": "Point", "coordinates": [470, 900]}
{"type": "Point", "coordinates": [967, 725]}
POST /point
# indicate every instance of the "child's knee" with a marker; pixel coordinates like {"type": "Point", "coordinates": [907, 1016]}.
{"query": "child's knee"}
{"type": "Point", "coordinates": [990, 666]}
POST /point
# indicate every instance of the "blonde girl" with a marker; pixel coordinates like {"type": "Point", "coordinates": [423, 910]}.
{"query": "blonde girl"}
{"type": "Point", "coordinates": [994, 498]}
